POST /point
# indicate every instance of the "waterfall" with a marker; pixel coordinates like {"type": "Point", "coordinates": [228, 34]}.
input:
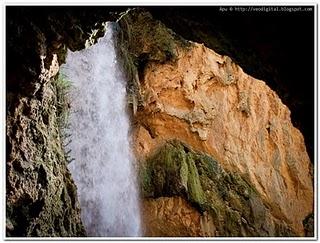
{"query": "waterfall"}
{"type": "Point", "coordinates": [103, 168]}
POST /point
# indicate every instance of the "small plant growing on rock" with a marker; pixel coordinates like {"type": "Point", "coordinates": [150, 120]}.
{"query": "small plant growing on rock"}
{"type": "Point", "coordinates": [62, 86]}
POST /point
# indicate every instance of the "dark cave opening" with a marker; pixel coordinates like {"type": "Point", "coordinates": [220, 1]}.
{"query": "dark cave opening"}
{"type": "Point", "coordinates": [276, 47]}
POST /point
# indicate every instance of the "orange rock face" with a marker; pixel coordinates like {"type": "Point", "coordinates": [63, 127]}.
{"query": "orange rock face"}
{"type": "Point", "coordinates": [208, 102]}
{"type": "Point", "coordinates": [174, 217]}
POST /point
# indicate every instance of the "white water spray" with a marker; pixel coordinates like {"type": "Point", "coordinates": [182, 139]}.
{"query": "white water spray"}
{"type": "Point", "coordinates": [103, 167]}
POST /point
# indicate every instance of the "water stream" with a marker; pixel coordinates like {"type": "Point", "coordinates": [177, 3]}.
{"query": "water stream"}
{"type": "Point", "coordinates": [100, 142]}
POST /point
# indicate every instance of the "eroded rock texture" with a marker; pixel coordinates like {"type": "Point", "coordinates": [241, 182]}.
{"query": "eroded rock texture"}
{"type": "Point", "coordinates": [231, 163]}
{"type": "Point", "coordinates": [233, 205]}
{"type": "Point", "coordinates": [265, 49]}
{"type": "Point", "coordinates": [41, 198]}
{"type": "Point", "coordinates": [174, 217]}
{"type": "Point", "coordinates": [206, 101]}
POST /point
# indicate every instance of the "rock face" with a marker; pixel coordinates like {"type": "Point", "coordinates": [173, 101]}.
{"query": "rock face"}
{"type": "Point", "coordinates": [230, 162]}
{"type": "Point", "coordinates": [206, 101]}
{"type": "Point", "coordinates": [41, 198]}
{"type": "Point", "coordinates": [174, 217]}
{"type": "Point", "coordinates": [41, 195]}
{"type": "Point", "coordinates": [225, 199]}
{"type": "Point", "coordinates": [265, 49]}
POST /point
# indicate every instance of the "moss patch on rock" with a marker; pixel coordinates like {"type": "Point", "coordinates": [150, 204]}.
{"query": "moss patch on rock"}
{"type": "Point", "coordinates": [141, 40]}
{"type": "Point", "coordinates": [147, 38]}
{"type": "Point", "coordinates": [41, 195]}
{"type": "Point", "coordinates": [237, 209]}
{"type": "Point", "coordinates": [172, 171]}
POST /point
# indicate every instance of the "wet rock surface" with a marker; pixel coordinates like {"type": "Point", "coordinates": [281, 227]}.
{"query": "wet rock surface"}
{"type": "Point", "coordinates": [235, 132]}
{"type": "Point", "coordinates": [206, 101]}
{"type": "Point", "coordinates": [41, 198]}
{"type": "Point", "coordinates": [233, 205]}
{"type": "Point", "coordinates": [41, 195]}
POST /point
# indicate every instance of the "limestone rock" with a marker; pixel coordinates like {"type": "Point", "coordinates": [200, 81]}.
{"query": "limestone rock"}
{"type": "Point", "coordinates": [233, 204]}
{"type": "Point", "coordinates": [174, 217]}
{"type": "Point", "coordinates": [41, 195]}
{"type": "Point", "coordinates": [206, 101]}
{"type": "Point", "coordinates": [186, 92]}
{"type": "Point", "coordinates": [41, 198]}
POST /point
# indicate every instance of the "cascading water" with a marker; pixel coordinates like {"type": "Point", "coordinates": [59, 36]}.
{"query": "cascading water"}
{"type": "Point", "coordinates": [99, 125]}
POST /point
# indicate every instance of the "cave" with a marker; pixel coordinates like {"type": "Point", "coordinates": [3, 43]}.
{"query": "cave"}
{"type": "Point", "coordinates": [266, 45]}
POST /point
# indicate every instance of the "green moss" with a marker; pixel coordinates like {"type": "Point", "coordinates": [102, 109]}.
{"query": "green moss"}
{"type": "Point", "coordinates": [62, 86]}
{"type": "Point", "coordinates": [184, 172]}
{"type": "Point", "coordinates": [173, 172]}
{"type": "Point", "coordinates": [235, 205]}
{"type": "Point", "coordinates": [233, 223]}
{"type": "Point", "coordinates": [195, 191]}
{"type": "Point", "coordinates": [142, 40]}
{"type": "Point", "coordinates": [146, 36]}
{"type": "Point", "coordinates": [145, 179]}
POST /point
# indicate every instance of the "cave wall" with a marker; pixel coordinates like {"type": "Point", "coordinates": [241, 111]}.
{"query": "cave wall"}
{"type": "Point", "coordinates": [277, 47]}
{"type": "Point", "coordinates": [41, 197]}
{"type": "Point", "coordinates": [187, 92]}
{"type": "Point", "coordinates": [39, 188]}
